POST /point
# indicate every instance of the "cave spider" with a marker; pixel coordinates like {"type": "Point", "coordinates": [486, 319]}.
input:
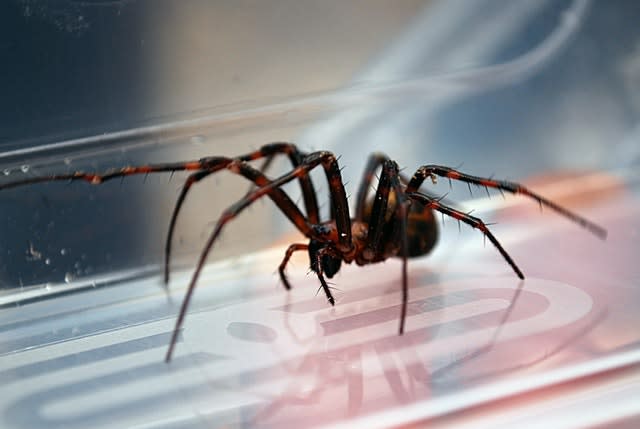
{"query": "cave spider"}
{"type": "Point", "coordinates": [399, 221]}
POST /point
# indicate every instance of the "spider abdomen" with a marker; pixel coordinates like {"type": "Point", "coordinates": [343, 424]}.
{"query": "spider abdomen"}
{"type": "Point", "coordinates": [422, 230]}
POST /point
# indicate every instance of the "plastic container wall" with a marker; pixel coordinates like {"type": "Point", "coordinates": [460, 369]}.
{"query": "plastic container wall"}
{"type": "Point", "coordinates": [97, 85]}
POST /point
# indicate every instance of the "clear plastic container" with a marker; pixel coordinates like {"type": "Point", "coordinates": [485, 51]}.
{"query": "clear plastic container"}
{"type": "Point", "coordinates": [541, 92]}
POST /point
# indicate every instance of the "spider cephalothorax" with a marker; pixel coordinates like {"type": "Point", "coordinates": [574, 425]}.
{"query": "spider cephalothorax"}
{"type": "Point", "coordinates": [399, 221]}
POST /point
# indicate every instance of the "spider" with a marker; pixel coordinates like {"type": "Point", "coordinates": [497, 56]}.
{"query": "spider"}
{"type": "Point", "coordinates": [398, 222]}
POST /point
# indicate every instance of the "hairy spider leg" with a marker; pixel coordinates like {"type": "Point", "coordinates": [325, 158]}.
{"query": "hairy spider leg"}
{"type": "Point", "coordinates": [266, 187]}
{"type": "Point", "coordinates": [279, 197]}
{"type": "Point", "coordinates": [98, 178]}
{"type": "Point", "coordinates": [401, 214]}
{"type": "Point", "coordinates": [193, 178]}
{"type": "Point", "coordinates": [431, 171]}
{"type": "Point", "coordinates": [311, 205]}
{"type": "Point", "coordinates": [374, 161]}
{"type": "Point", "coordinates": [343, 222]}
{"type": "Point", "coordinates": [474, 222]}
{"type": "Point", "coordinates": [268, 151]}
{"type": "Point", "coordinates": [206, 166]}
{"type": "Point", "coordinates": [377, 218]}
{"type": "Point", "coordinates": [287, 256]}
{"type": "Point", "coordinates": [326, 251]}
{"type": "Point", "coordinates": [390, 179]}
{"type": "Point", "coordinates": [338, 195]}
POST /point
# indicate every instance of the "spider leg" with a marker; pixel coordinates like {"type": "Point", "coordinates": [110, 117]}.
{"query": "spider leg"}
{"type": "Point", "coordinates": [474, 222]}
{"type": "Point", "coordinates": [401, 213]}
{"type": "Point", "coordinates": [431, 171]}
{"type": "Point", "coordinates": [340, 206]}
{"type": "Point", "coordinates": [343, 222]}
{"type": "Point", "coordinates": [98, 178]}
{"type": "Point", "coordinates": [193, 178]}
{"type": "Point", "coordinates": [389, 179]}
{"type": "Point", "coordinates": [375, 160]}
{"type": "Point", "coordinates": [203, 167]}
{"type": "Point", "coordinates": [377, 219]}
{"type": "Point", "coordinates": [320, 274]}
{"type": "Point", "coordinates": [269, 151]}
{"type": "Point", "coordinates": [338, 195]}
{"type": "Point", "coordinates": [293, 248]}
{"type": "Point", "coordinates": [279, 197]}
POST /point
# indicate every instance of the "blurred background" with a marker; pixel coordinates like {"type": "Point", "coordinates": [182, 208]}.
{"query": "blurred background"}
{"type": "Point", "coordinates": [504, 88]}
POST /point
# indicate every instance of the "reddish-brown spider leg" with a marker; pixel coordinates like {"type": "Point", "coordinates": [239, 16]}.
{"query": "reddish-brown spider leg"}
{"type": "Point", "coordinates": [209, 165]}
{"type": "Point", "coordinates": [376, 220]}
{"type": "Point", "coordinates": [340, 206]}
{"type": "Point", "coordinates": [469, 220]}
{"type": "Point", "coordinates": [402, 212]}
{"type": "Point", "coordinates": [286, 205]}
{"type": "Point", "coordinates": [389, 179]}
{"type": "Point", "coordinates": [309, 196]}
{"type": "Point", "coordinates": [265, 188]}
{"type": "Point", "coordinates": [375, 160]}
{"type": "Point", "coordinates": [343, 222]}
{"type": "Point", "coordinates": [431, 171]}
{"type": "Point", "coordinates": [323, 282]}
{"type": "Point", "coordinates": [99, 178]}
{"type": "Point", "coordinates": [269, 151]}
{"type": "Point", "coordinates": [193, 178]}
{"type": "Point", "coordinates": [283, 265]}
{"type": "Point", "coordinates": [338, 194]}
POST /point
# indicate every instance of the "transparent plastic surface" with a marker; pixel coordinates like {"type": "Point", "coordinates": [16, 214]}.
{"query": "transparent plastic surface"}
{"type": "Point", "coordinates": [254, 355]}
{"type": "Point", "coordinates": [531, 91]}
{"type": "Point", "coordinates": [147, 82]}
